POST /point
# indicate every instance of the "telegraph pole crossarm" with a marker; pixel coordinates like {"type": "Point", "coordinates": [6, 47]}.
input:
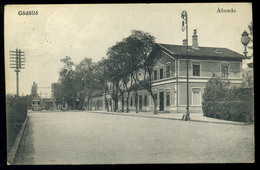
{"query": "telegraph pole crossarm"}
{"type": "Point", "coordinates": [17, 61]}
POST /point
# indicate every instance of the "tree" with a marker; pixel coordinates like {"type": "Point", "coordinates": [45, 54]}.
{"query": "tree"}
{"type": "Point", "coordinates": [34, 93]}
{"type": "Point", "coordinates": [116, 55]}
{"type": "Point", "coordinates": [216, 89]}
{"type": "Point", "coordinates": [84, 81]}
{"type": "Point", "coordinates": [127, 59]}
{"type": "Point", "coordinates": [113, 74]}
{"type": "Point", "coordinates": [66, 82]}
{"type": "Point", "coordinates": [102, 78]}
{"type": "Point", "coordinates": [58, 94]}
{"type": "Point", "coordinates": [140, 45]}
{"type": "Point", "coordinates": [122, 65]}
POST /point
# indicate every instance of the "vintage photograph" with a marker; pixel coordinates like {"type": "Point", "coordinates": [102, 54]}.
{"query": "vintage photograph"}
{"type": "Point", "coordinates": [164, 83]}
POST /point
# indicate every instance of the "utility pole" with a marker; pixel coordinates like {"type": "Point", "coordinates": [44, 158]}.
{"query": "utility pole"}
{"type": "Point", "coordinates": [17, 61]}
{"type": "Point", "coordinates": [184, 16]}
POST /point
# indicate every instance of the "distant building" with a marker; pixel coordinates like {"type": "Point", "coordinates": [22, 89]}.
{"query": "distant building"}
{"type": "Point", "coordinates": [40, 102]}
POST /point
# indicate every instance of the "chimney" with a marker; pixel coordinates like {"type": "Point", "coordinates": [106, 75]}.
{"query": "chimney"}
{"type": "Point", "coordinates": [195, 43]}
{"type": "Point", "coordinates": [184, 42]}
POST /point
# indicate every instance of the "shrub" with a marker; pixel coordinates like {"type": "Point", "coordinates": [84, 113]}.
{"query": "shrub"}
{"type": "Point", "coordinates": [241, 111]}
{"type": "Point", "coordinates": [16, 112]}
{"type": "Point", "coordinates": [223, 102]}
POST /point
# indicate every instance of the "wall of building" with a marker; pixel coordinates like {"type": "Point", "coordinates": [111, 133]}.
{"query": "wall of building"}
{"type": "Point", "coordinates": [208, 67]}
{"type": "Point", "coordinates": [176, 88]}
{"type": "Point", "coordinates": [161, 63]}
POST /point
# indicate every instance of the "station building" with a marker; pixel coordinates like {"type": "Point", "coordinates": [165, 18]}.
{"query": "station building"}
{"type": "Point", "coordinates": [169, 79]}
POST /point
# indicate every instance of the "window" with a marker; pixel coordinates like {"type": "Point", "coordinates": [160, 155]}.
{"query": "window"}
{"type": "Point", "coordinates": [155, 74]}
{"type": "Point", "coordinates": [161, 73]}
{"type": "Point", "coordinates": [145, 100]}
{"type": "Point", "coordinates": [224, 71]}
{"type": "Point", "coordinates": [168, 70]}
{"type": "Point", "coordinates": [168, 98]}
{"type": "Point", "coordinates": [196, 70]}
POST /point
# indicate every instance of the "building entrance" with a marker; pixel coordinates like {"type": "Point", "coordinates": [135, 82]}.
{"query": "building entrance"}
{"type": "Point", "coordinates": [161, 107]}
{"type": "Point", "coordinates": [140, 102]}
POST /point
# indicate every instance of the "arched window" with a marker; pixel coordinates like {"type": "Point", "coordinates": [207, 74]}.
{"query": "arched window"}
{"type": "Point", "coordinates": [168, 70]}
{"type": "Point", "coordinates": [161, 70]}
{"type": "Point", "coordinates": [155, 73]}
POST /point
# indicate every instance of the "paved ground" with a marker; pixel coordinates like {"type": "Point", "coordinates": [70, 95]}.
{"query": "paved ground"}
{"type": "Point", "coordinates": [197, 117]}
{"type": "Point", "coordinates": [94, 138]}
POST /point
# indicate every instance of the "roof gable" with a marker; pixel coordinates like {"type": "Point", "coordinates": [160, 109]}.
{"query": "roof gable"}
{"type": "Point", "coordinates": [206, 52]}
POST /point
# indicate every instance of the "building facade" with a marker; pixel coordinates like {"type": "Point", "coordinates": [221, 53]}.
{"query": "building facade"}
{"type": "Point", "coordinates": [169, 78]}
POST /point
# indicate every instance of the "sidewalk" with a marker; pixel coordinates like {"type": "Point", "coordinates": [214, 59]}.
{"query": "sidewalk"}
{"type": "Point", "coordinates": [197, 117]}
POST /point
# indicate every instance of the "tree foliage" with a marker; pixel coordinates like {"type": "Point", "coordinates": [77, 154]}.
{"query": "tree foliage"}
{"type": "Point", "coordinates": [125, 61]}
{"type": "Point", "coordinates": [216, 89]}
{"type": "Point", "coordinates": [141, 47]}
{"type": "Point", "coordinates": [67, 85]}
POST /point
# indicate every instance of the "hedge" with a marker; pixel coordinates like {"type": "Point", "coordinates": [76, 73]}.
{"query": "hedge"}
{"type": "Point", "coordinates": [16, 113]}
{"type": "Point", "coordinates": [222, 100]}
{"type": "Point", "coordinates": [241, 111]}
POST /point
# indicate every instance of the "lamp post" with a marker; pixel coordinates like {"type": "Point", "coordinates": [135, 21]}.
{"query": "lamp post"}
{"type": "Point", "coordinates": [184, 16]}
{"type": "Point", "coordinates": [245, 39]}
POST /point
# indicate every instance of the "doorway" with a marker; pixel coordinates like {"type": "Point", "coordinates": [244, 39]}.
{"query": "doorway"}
{"type": "Point", "coordinates": [140, 102]}
{"type": "Point", "coordinates": [161, 107]}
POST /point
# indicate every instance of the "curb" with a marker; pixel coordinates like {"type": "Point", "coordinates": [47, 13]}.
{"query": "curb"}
{"type": "Point", "coordinates": [170, 118]}
{"type": "Point", "coordinates": [12, 153]}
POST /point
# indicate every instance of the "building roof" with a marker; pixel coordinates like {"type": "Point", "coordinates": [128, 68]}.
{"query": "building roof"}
{"type": "Point", "coordinates": [205, 52]}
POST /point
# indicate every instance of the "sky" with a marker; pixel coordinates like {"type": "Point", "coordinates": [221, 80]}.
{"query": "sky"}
{"type": "Point", "coordinates": [88, 30]}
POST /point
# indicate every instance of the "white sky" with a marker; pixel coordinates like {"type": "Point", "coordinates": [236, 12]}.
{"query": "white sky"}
{"type": "Point", "coordinates": [82, 31]}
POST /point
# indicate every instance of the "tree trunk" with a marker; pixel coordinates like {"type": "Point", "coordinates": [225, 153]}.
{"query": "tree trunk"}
{"type": "Point", "coordinates": [127, 102]}
{"type": "Point", "coordinates": [91, 104]}
{"type": "Point", "coordinates": [154, 105]}
{"type": "Point", "coordinates": [88, 104]}
{"type": "Point", "coordinates": [111, 104]}
{"type": "Point", "coordinates": [106, 102]}
{"type": "Point", "coordinates": [136, 103]}
{"type": "Point", "coordinates": [123, 102]}
{"type": "Point", "coordinates": [154, 102]}
{"type": "Point", "coordinates": [79, 106]}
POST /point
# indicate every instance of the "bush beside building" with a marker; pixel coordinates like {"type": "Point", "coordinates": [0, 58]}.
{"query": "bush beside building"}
{"type": "Point", "coordinates": [229, 103]}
